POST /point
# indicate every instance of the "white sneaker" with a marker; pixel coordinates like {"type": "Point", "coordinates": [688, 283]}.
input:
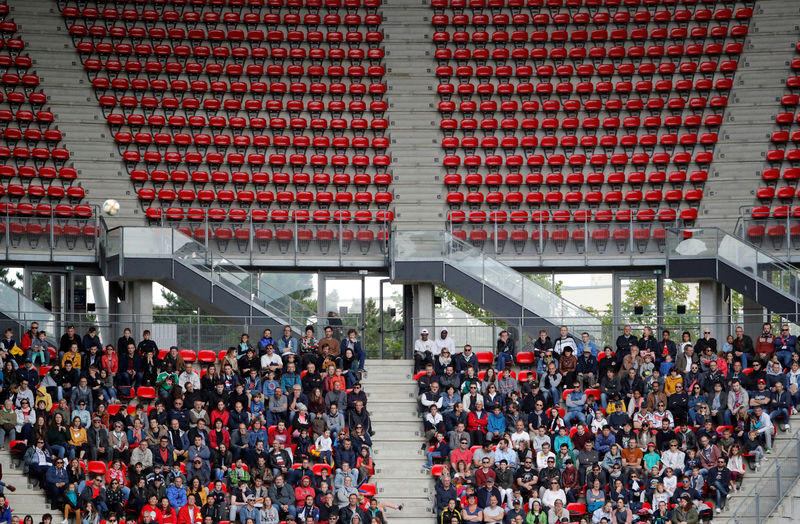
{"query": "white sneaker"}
{"type": "Point", "coordinates": [787, 427]}
{"type": "Point", "coordinates": [65, 521]}
{"type": "Point", "coordinates": [718, 510]}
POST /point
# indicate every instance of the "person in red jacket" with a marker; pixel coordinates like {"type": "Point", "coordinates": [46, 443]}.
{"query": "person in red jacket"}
{"type": "Point", "coordinates": [303, 490]}
{"type": "Point", "coordinates": [152, 509]}
{"type": "Point", "coordinates": [765, 345]}
{"type": "Point", "coordinates": [477, 421]}
{"type": "Point", "coordinates": [190, 513]}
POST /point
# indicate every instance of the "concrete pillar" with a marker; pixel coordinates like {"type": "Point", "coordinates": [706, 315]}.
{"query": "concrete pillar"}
{"type": "Point", "coordinates": [57, 303]}
{"type": "Point", "coordinates": [136, 311]}
{"type": "Point", "coordinates": [423, 308]}
{"type": "Point", "coordinates": [27, 282]}
{"type": "Point", "coordinates": [101, 308]}
{"type": "Point", "coordinates": [322, 309]}
{"type": "Point", "coordinates": [753, 317]}
{"type": "Point", "coordinates": [713, 309]}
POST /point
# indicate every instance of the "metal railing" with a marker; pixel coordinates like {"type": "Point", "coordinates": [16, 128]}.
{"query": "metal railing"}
{"type": "Point", "coordinates": [148, 242]}
{"type": "Point", "coordinates": [713, 242]}
{"type": "Point", "coordinates": [778, 475]}
{"type": "Point", "coordinates": [340, 239]}
{"type": "Point", "coordinates": [47, 233]}
{"type": "Point", "coordinates": [440, 245]}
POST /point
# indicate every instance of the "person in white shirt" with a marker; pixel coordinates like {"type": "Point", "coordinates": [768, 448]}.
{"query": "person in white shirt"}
{"type": "Point", "coordinates": [520, 435]}
{"type": "Point", "coordinates": [190, 375]}
{"type": "Point", "coordinates": [539, 438]}
{"type": "Point", "coordinates": [445, 342]}
{"type": "Point", "coordinates": [271, 360]}
{"type": "Point", "coordinates": [673, 457]}
{"type": "Point", "coordinates": [543, 455]}
{"type": "Point", "coordinates": [423, 351]}
{"type": "Point", "coordinates": [566, 340]}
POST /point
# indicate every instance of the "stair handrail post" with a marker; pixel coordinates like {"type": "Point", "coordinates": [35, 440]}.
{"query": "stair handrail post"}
{"type": "Point", "coordinates": [778, 480]}
{"type": "Point", "coordinates": [495, 238]}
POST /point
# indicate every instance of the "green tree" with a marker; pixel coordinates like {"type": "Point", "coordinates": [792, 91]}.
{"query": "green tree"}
{"type": "Point", "coordinates": [40, 287]}
{"type": "Point", "coordinates": [547, 281]}
{"type": "Point", "coordinates": [391, 331]}
{"type": "Point", "coordinates": [459, 302]}
{"type": "Point", "coordinates": [643, 293]}
{"type": "Point", "coordinates": [7, 281]}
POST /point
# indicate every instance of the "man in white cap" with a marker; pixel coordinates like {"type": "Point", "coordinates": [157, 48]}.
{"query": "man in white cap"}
{"type": "Point", "coordinates": [423, 351]}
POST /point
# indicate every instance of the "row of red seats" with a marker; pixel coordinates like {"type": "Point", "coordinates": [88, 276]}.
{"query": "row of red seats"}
{"type": "Point", "coordinates": [600, 18]}
{"type": "Point", "coordinates": [296, 89]}
{"type": "Point", "coordinates": [111, 14]}
{"type": "Point", "coordinates": [274, 71]}
{"type": "Point", "coordinates": [584, 70]}
{"type": "Point", "coordinates": [642, 34]}
{"type": "Point", "coordinates": [779, 212]}
{"type": "Point", "coordinates": [12, 134]}
{"type": "Point", "coordinates": [617, 159]}
{"type": "Point", "coordinates": [238, 159]}
{"type": "Point", "coordinates": [203, 140]}
{"type": "Point", "coordinates": [221, 52]}
{"type": "Point", "coordinates": [535, 198]}
{"type": "Point", "coordinates": [60, 211]}
{"type": "Point", "coordinates": [558, 53]}
{"type": "Point", "coordinates": [314, 107]}
{"type": "Point", "coordinates": [19, 98]}
{"type": "Point", "coordinates": [276, 125]}
{"type": "Point", "coordinates": [226, 196]}
{"type": "Point", "coordinates": [47, 173]}
{"type": "Point", "coordinates": [18, 153]}
{"type": "Point", "coordinates": [212, 36]}
{"type": "Point", "coordinates": [35, 192]}
{"type": "Point", "coordinates": [620, 86]}
{"type": "Point", "coordinates": [24, 116]}
{"type": "Point", "coordinates": [11, 80]}
{"type": "Point", "coordinates": [571, 105]}
{"type": "Point", "coordinates": [565, 215]}
{"type": "Point", "coordinates": [550, 125]}
{"type": "Point", "coordinates": [555, 4]}
{"type": "Point", "coordinates": [480, 38]}
{"type": "Point", "coordinates": [259, 178]}
{"type": "Point", "coordinates": [564, 89]}
{"type": "Point", "coordinates": [277, 216]}
{"type": "Point", "coordinates": [20, 62]}
{"type": "Point", "coordinates": [586, 142]}
{"type": "Point", "coordinates": [779, 155]}
{"type": "Point", "coordinates": [299, 142]}
{"type": "Point", "coordinates": [781, 193]}
{"type": "Point", "coordinates": [181, 5]}
{"type": "Point", "coordinates": [776, 233]}
{"type": "Point", "coordinates": [533, 180]}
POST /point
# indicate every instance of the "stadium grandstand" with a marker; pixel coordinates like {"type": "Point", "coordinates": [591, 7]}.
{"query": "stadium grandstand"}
{"type": "Point", "coordinates": [587, 213]}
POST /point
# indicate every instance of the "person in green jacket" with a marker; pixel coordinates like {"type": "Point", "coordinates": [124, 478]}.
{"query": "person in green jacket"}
{"type": "Point", "coordinates": [685, 512]}
{"type": "Point", "coordinates": [537, 514]}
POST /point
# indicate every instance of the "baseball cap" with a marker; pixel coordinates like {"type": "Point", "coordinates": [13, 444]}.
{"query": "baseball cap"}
{"type": "Point", "coordinates": [423, 332]}
{"type": "Point", "coordinates": [686, 496]}
{"type": "Point", "coordinates": [762, 381]}
{"type": "Point", "coordinates": [587, 349]}
{"type": "Point", "coordinates": [251, 497]}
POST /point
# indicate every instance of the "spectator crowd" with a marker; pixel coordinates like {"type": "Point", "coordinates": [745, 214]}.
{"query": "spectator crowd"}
{"type": "Point", "coordinates": [269, 431]}
{"type": "Point", "coordinates": [648, 429]}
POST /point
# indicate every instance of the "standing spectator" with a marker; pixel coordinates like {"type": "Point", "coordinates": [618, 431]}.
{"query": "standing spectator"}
{"type": "Point", "coordinates": [352, 343]}
{"type": "Point", "coordinates": [743, 349]}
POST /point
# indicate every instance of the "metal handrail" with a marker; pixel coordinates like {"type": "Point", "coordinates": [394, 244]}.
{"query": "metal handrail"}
{"type": "Point", "coordinates": [776, 463]}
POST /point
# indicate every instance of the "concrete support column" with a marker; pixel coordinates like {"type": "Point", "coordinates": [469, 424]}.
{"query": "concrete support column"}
{"type": "Point", "coordinates": [57, 303]}
{"type": "Point", "coordinates": [27, 282]}
{"type": "Point", "coordinates": [101, 307]}
{"type": "Point", "coordinates": [753, 317]}
{"type": "Point", "coordinates": [322, 307]}
{"type": "Point", "coordinates": [136, 311]}
{"type": "Point", "coordinates": [423, 308]}
{"type": "Point", "coordinates": [713, 308]}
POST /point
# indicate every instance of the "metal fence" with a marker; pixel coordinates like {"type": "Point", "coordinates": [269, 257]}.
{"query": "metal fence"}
{"type": "Point", "coordinates": [779, 474]}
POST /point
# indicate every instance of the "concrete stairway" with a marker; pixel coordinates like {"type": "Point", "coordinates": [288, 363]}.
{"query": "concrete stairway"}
{"type": "Point", "coordinates": [26, 500]}
{"type": "Point", "coordinates": [760, 81]}
{"type": "Point", "coordinates": [741, 508]}
{"type": "Point", "coordinates": [77, 113]}
{"type": "Point", "coordinates": [399, 477]}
